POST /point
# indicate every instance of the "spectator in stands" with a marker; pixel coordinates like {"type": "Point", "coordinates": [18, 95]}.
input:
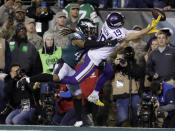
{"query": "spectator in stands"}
{"type": "Point", "coordinates": [153, 46]}
{"type": "Point", "coordinates": [86, 10]}
{"type": "Point", "coordinates": [161, 61]}
{"type": "Point", "coordinates": [169, 33]}
{"type": "Point", "coordinates": [125, 68]}
{"type": "Point", "coordinates": [169, 4]}
{"type": "Point", "coordinates": [50, 53]}
{"type": "Point", "coordinates": [24, 53]}
{"type": "Point", "coordinates": [8, 29]}
{"type": "Point", "coordinates": [166, 96]}
{"type": "Point", "coordinates": [139, 47]}
{"type": "Point", "coordinates": [59, 39]}
{"type": "Point", "coordinates": [20, 101]}
{"type": "Point", "coordinates": [72, 20]}
{"type": "Point", "coordinates": [8, 10]}
{"type": "Point", "coordinates": [42, 15]}
{"type": "Point", "coordinates": [32, 36]}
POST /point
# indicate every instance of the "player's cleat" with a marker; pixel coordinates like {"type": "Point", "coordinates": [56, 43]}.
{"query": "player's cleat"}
{"type": "Point", "coordinates": [94, 98]}
{"type": "Point", "coordinates": [99, 103]}
{"type": "Point", "coordinates": [78, 123]}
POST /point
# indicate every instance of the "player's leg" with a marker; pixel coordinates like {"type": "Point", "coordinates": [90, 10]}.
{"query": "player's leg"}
{"type": "Point", "coordinates": [77, 98]}
{"type": "Point", "coordinates": [106, 75]}
{"type": "Point", "coordinates": [86, 69]}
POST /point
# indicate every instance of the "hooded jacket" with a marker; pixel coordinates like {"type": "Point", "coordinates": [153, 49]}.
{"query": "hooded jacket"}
{"type": "Point", "coordinates": [49, 55]}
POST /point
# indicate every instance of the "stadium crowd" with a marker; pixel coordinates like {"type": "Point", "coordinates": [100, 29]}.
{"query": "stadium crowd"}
{"type": "Point", "coordinates": [45, 53]}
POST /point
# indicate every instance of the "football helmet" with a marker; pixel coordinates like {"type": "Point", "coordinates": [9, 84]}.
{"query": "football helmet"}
{"type": "Point", "coordinates": [87, 27]}
{"type": "Point", "coordinates": [115, 20]}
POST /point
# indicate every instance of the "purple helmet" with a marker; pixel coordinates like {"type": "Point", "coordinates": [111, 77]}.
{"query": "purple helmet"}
{"type": "Point", "coordinates": [115, 20]}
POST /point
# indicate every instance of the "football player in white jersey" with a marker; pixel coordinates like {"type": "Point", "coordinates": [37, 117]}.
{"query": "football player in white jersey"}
{"type": "Point", "coordinates": [112, 28]}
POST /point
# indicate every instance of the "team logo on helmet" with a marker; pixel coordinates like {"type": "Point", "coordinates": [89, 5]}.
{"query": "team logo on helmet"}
{"type": "Point", "coordinates": [115, 20]}
{"type": "Point", "coordinates": [87, 27]}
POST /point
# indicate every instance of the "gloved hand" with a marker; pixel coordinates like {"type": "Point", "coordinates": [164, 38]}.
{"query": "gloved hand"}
{"type": "Point", "coordinates": [155, 22]}
{"type": "Point", "coordinates": [110, 42]}
{"type": "Point", "coordinates": [154, 30]}
{"type": "Point", "coordinates": [23, 82]}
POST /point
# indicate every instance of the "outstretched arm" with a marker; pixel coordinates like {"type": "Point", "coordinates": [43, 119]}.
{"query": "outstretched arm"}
{"type": "Point", "coordinates": [93, 43]}
{"type": "Point", "coordinates": [132, 36]}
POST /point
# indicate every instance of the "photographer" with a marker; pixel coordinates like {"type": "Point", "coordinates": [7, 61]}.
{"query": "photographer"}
{"type": "Point", "coordinates": [125, 91]}
{"type": "Point", "coordinates": [20, 100]}
{"type": "Point", "coordinates": [166, 96]}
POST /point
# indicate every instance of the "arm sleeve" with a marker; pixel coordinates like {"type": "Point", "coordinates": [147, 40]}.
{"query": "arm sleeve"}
{"type": "Point", "coordinates": [66, 94]}
{"type": "Point", "coordinates": [41, 78]}
{"type": "Point", "coordinates": [94, 44]}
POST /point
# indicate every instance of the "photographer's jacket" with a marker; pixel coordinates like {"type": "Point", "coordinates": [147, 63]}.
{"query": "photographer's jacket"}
{"type": "Point", "coordinates": [120, 83]}
{"type": "Point", "coordinates": [25, 55]}
{"type": "Point", "coordinates": [14, 95]}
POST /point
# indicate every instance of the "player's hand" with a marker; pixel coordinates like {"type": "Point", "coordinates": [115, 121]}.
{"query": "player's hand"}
{"type": "Point", "coordinates": [154, 30]}
{"type": "Point", "coordinates": [110, 42]}
{"type": "Point", "coordinates": [155, 22]}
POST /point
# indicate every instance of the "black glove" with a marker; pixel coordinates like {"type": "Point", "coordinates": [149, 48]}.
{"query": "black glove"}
{"type": "Point", "coordinates": [22, 83]}
{"type": "Point", "coordinates": [110, 42]}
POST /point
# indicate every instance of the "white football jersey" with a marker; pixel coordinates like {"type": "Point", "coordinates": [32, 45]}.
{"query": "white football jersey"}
{"type": "Point", "coordinates": [97, 55]}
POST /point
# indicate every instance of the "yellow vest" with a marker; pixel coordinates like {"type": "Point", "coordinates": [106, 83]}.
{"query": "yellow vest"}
{"type": "Point", "coordinates": [48, 61]}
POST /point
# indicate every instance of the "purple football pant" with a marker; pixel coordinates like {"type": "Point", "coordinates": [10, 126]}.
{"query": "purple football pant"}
{"type": "Point", "coordinates": [86, 69]}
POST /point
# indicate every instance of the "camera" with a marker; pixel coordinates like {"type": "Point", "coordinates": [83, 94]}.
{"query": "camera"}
{"type": "Point", "coordinates": [20, 73]}
{"type": "Point", "coordinates": [146, 111]}
{"type": "Point", "coordinates": [122, 60]}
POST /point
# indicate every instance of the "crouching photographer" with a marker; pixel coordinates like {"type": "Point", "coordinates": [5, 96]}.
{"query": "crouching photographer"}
{"type": "Point", "coordinates": [147, 111]}
{"type": "Point", "coordinates": [165, 94]}
{"type": "Point", "coordinates": [126, 86]}
{"type": "Point", "coordinates": [21, 101]}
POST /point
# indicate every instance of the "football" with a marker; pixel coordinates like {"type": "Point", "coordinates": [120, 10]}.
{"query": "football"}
{"type": "Point", "coordinates": [156, 12]}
